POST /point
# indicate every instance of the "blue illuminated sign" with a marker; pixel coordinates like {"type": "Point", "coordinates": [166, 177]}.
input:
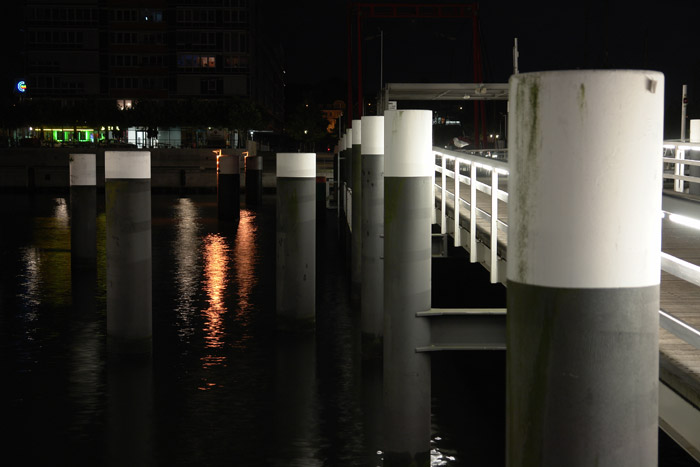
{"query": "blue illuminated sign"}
{"type": "Point", "coordinates": [22, 86]}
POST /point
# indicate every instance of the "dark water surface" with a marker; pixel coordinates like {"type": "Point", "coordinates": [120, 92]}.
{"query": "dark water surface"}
{"type": "Point", "coordinates": [222, 387]}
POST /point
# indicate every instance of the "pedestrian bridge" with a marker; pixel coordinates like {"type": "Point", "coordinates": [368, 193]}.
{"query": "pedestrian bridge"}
{"type": "Point", "coordinates": [470, 209]}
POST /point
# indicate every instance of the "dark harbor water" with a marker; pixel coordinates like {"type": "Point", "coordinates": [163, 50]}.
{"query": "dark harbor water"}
{"type": "Point", "coordinates": [222, 387]}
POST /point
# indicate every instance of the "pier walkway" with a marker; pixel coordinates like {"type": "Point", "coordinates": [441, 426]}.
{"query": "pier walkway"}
{"type": "Point", "coordinates": [483, 176]}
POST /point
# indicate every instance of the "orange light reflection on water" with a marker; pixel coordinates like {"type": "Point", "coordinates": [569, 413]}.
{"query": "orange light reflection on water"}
{"type": "Point", "coordinates": [245, 258]}
{"type": "Point", "coordinates": [216, 258]}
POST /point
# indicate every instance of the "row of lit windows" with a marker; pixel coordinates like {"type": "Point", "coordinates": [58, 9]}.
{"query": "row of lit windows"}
{"type": "Point", "coordinates": [196, 62]}
{"type": "Point", "coordinates": [134, 82]}
{"type": "Point", "coordinates": [62, 15]}
{"type": "Point", "coordinates": [58, 38]}
{"type": "Point", "coordinates": [137, 60]}
{"type": "Point", "coordinates": [134, 15]}
{"type": "Point", "coordinates": [153, 38]}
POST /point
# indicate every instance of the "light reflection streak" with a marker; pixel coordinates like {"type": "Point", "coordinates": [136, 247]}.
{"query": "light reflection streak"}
{"type": "Point", "coordinates": [31, 282]}
{"type": "Point", "coordinates": [60, 213]}
{"type": "Point", "coordinates": [186, 252]}
{"type": "Point", "coordinates": [245, 259]}
{"type": "Point", "coordinates": [216, 257]}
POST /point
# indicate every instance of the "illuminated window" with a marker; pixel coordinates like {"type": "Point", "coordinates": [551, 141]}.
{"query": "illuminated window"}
{"type": "Point", "coordinates": [124, 104]}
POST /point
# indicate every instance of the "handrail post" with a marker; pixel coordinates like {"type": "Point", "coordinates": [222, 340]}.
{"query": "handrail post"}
{"type": "Point", "coordinates": [680, 170]}
{"type": "Point", "coordinates": [457, 233]}
{"type": "Point", "coordinates": [443, 202]}
{"type": "Point", "coordinates": [472, 213]}
{"type": "Point", "coordinates": [494, 226]}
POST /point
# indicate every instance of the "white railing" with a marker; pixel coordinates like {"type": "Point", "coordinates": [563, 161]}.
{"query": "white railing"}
{"type": "Point", "coordinates": [485, 250]}
{"type": "Point", "coordinates": [674, 167]}
{"type": "Point", "coordinates": [478, 162]}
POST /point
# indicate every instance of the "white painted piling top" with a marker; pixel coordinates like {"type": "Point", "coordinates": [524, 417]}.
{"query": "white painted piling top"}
{"type": "Point", "coordinates": [296, 164]}
{"type": "Point", "coordinates": [228, 164]}
{"type": "Point", "coordinates": [128, 164]}
{"type": "Point", "coordinates": [83, 170]}
{"type": "Point", "coordinates": [357, 132]}
{"type": "Point", "coordinates": [695, 130]}
{"type": "Point", "coordinates": [342, 143]}
{"type": "Point", "coordinates": [585, 150]}
{"type": "Point", "coordinates": [408, 143]}
{"type": "Point", "coordinates": [348, 139]}
{"type": "Point", "coordinates": [254, 163]}
{"type": "Point", "coordinates": [373, 135]}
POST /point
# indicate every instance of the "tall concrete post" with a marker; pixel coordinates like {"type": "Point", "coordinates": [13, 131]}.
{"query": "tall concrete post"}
{"type": "Point", "coordinates": [253, 180]}
{"type": "Point", "coordinates": [356, 221]}
{"type": "Point", "coordinates": [128, 245]}
{"type": "Point", "coordinates": [584, 245]}
{"type": "Point", "coordinates": [408, 168]}
{"type": "Point", "coordinates": [350, 201]}
{"type": "Point", "coordinates": [296, 241]}
{"type": "Point", "coordinates": [228, 187]}
{"type": "Point", "coordinates": [372, 233]}
{"type": "Point", "coordinates": [83, 211]}
{"type": "Point", "coordinates": [342, 168]}
{"type": "Point", "coordinates": [694, 188]}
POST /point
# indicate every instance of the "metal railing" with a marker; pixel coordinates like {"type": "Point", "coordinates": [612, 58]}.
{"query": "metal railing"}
{"type": "Point", "coordinates": [483, 244]}
{"type": "Point", "coordinates": [675, 167]}
{"type": "Point", "coordinates": [489, 164]}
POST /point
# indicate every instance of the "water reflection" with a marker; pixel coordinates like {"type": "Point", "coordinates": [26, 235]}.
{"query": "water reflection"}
{"type": "Point", "coordinates": [45, 274]}
{"type": "Point", "coordinates": [216, 258]}
{"type": "Point", "coordinates": [245, 255]}
{"type": "Point", "coordinates": [187, 265]}
{"type": "Point", "coordinates": [30, 282]}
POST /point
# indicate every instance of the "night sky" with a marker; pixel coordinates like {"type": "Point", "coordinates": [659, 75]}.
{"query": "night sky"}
{"type": "Point", "coordinates": [625, 34]}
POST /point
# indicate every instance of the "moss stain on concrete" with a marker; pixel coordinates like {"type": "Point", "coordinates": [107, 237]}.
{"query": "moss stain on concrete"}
{"type": "Point", "coordinates": [528, 144]}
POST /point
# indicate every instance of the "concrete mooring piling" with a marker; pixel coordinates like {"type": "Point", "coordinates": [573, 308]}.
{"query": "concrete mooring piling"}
{"type": "Point", "coordinates": [228, 187]}
{"type": "Point", "coordinates": [128, 245]}
{"type": "Point", "coordinates": [349, 199]}
{"type": "Point", "coordinates": [83, 211]}
{"type": "Point", "coordinates": [583, 267]}
{"type": "Point", "coordinates": [253, 180]}
{"type": "Point", "coordinates": [356, 220]}
{"type": "Point", "coordinates": [296, 241]}
{"type": "Point", "coordinates": [408, 169]}
{"type": "Point", "coordinates": [372, 233]}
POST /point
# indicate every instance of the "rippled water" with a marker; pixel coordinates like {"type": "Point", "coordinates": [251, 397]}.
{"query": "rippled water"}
{"type": "Point", "coordinates": [222, 388]}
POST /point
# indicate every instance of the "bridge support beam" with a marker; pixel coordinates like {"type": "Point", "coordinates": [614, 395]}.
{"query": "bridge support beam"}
{"type": "Point", "coordinates": [356, 221]}
{"type": "Point", "coordinates": [83, 211]}
{"type": "Point", "coordinates": [129, 260]}
{"type": "Point", "coordinates": [296, 241]}
{"type": "Point", "coordinates": [408, 202]}
{"type": "Point", "coordinates": [228, 187]}
{"type": "Point", "coordinates": [372, 236]}
{"type": "Point", "coordinates": [583, 268]}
